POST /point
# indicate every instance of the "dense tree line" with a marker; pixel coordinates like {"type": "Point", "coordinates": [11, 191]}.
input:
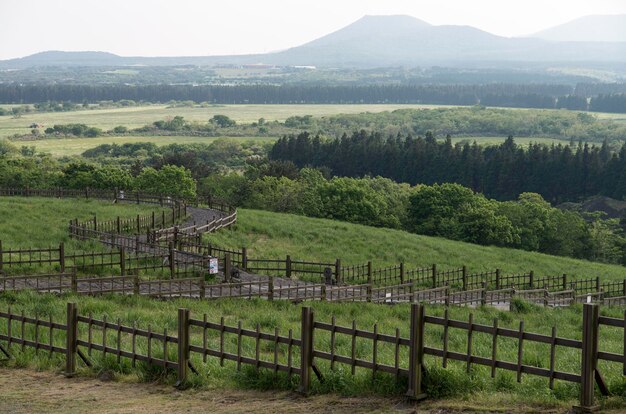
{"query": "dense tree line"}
{"type": "Point", "coordinates": [517, 95]}
{"type": "Point", "coordinates": [557, 172]}
{"type": "Point", "coordinates": [497, 94]}
{"type": "Point", "coordinates": [449, 210]}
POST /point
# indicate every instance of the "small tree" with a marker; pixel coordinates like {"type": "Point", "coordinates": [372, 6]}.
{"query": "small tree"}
{"type": "Point", "coordinates": [222, 121]}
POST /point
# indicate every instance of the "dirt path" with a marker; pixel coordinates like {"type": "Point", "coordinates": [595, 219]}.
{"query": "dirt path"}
{"type": "Point", "coordinates": [27, 391]}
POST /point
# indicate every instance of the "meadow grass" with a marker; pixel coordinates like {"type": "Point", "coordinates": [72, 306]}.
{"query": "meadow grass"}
{"type": "Point", "coordinates": [43, 222]}
{"type": "Point", "coordinates": [138, 116]}
{"type": "Point", "coordinates": [274, 235]}
{"type": "Point", "coordinates": [440, 382]}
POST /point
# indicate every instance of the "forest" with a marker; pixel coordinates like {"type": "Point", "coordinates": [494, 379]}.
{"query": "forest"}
{"type": "Point", "coordinates": [509, 95]}
{"type": "Point", "coordinates": [557, 172]}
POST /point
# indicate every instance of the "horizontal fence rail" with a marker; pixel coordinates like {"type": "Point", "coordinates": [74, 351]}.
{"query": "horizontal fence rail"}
{"type": "Point", "coordinates": [320, 346]}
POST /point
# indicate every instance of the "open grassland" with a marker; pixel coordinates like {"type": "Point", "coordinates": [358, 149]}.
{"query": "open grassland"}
{"type": "Point", "coordinates": [274, 235]}
{"type": "Point", "coordinates": [451, 382]}
{"type": "Point", "coordinates": [43, 222]}
{"type": "Point", "coordinates": [138, 116]}
{"type": "Point", "coordinates": [76, 146]}
{"type": "Point", "coordinates": [134, 117]}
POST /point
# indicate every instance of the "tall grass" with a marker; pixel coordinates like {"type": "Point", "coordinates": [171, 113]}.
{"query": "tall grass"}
{"type": "Point", "coordinates": [43, 222]}
{"type": "Point", "coordinates": [274, 235]}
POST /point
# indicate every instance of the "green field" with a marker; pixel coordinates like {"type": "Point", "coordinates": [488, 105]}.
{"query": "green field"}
{"type": "Point", "coordinates": [76, 146]}
{"type": "Point", "coordinates": [134, 117]}
{"type": "Point", "coordinates": [274, 235]}
{"type": "Point", "coordinates": [42, 222]}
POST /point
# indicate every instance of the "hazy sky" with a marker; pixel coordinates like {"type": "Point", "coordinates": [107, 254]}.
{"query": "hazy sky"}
{"type": "Point", "coordinates": [194, 27]}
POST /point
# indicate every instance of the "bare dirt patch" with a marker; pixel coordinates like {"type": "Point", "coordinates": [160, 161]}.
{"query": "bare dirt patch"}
{"type": "Point", "coordinates": [27, 391]}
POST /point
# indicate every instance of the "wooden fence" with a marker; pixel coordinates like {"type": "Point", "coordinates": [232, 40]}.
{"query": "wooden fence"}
{"type": "Point", "coordinates": [141, 258]}
{"type": "Point", "coordinates": [84, 336]}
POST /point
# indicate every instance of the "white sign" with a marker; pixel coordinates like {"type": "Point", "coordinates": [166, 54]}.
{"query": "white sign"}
{"type": "Point", "coordinates": [213, 266]}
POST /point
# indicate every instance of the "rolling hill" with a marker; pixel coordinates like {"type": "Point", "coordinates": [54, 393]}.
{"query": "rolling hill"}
{"type": "Point", "coordinates": [608, 28]}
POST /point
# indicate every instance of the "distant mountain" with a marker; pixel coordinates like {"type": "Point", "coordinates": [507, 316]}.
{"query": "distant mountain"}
{"type": "Point", "coordinates": [59, 58]}
{"type": "Point", "coordinates": [608, 28]}
{"type": "Point", "coordinates": [377, 41]}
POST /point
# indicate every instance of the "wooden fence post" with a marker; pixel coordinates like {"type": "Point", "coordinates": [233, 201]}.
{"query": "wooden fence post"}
{"type": "Point", "coordinates": [244, 258]}
{"type": "Point", "coordinates": [183, 346]}
{"type": "Point", "coordinates": [306, 350]}
{"type": "Point", "coordinates": [531, 279]}
{"type": "Point", "coordinates": [464, 276]}
{"type": "Point", "coordinates": [623, 282]}
{"type": "Point", "coordinates": [497, 279]}
{"type": "Point", "coordinates": [138, 224]}
{"type": "Point", "coordinates": [95, 223]}
{"type": "Point", "coordinates": [483, 293]}
{"type": "Point", "coordinates": [227, 267]}
{"type": "Point", "coordinates": [369, 272]}
{"type": "Point", "coordinates": [564, 281]}
{"type": "Point", "coordinates": [2, 258]}
{"type": "Point", "coordinates": [202, 288]}
{"type": "Point", "coordinates": [589, 359]}
{"type": "Point", "coordinates": [270, 288]}
{"type": "Point", "coordinates": [70, 340]}
{"type": "Point", "coordinates": [416, 353]}
{"type": "Point", "coordinates": [434, 275]}
{"type": "Point", "coordinates": [172, 260]}
{"type": "Point", "coordinates": [136, 283]}
{"type": "Point", "coordinates": [401, 273]}
{"type": "Point", "coordinates": [122, 261]}
{"type": "Point", "coordinates": [74, 282]}
{"type": "Point", "coordinates": [153, 223]}
{"type": "Point", "coordinates": [338, 275]}
{"type": "Point", "coordinates": [61, 256]}
{"type": "Point", "coordinates": [288, 267]}
{"type": "Point", "coordinates": [597, 284]}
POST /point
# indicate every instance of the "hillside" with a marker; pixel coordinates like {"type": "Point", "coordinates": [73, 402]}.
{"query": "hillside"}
{"type": "Point", "coordinates": [610, 28]}
{"type": "Point", "coordinates": [274, 235]}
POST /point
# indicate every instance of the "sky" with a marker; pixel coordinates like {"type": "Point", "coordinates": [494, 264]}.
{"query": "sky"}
{"type": "Point", "coordinates": [216, 27]}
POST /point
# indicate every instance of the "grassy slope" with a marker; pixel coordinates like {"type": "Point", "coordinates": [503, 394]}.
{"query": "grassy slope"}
{"type": "Point", "coordinates": [441, 383]}
{"type": "Point", "coordinates": [42, 222]}
{"type": "Point", "coordinates": [273, 235]}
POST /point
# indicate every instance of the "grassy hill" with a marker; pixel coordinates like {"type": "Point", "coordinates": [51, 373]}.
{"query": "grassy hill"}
{"type": "Point", "coordinates": [274, 235]}
{"type": "Point", "coordinates": [42, 222]}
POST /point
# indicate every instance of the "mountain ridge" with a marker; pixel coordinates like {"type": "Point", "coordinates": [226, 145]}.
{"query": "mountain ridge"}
{"type": "Point", "coordinates": [372, 41]}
